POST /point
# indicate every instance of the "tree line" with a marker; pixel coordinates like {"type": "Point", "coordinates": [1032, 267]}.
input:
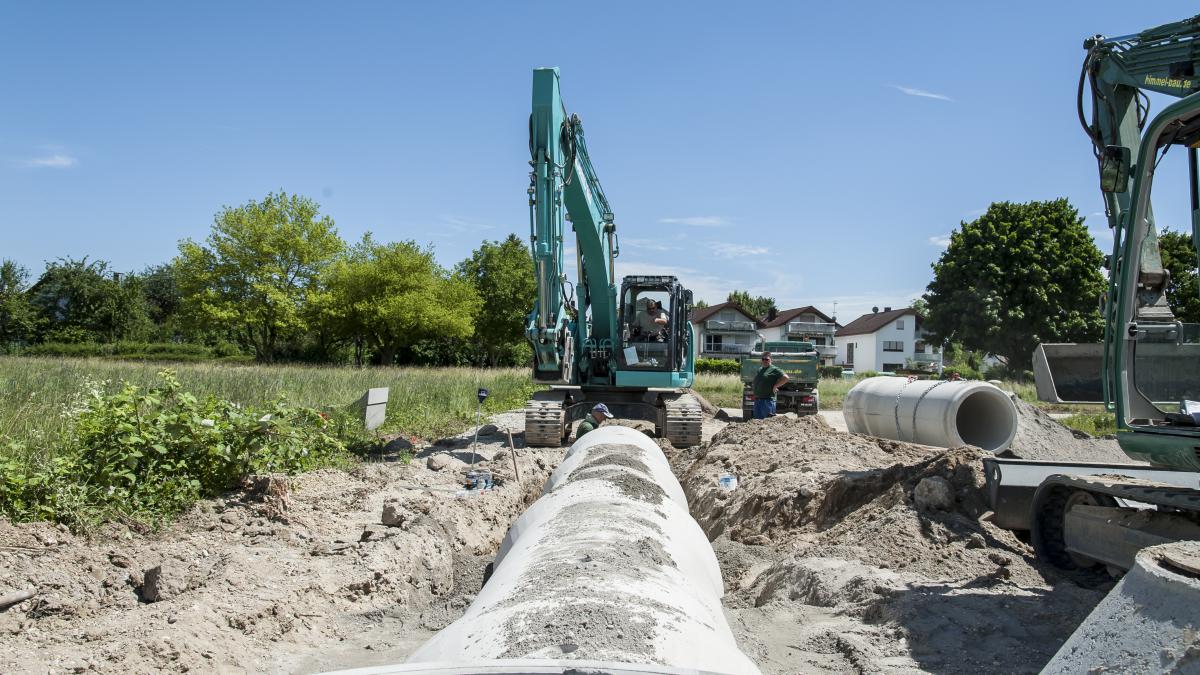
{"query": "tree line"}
{"type": "Point", "coordinates": [275, 281]}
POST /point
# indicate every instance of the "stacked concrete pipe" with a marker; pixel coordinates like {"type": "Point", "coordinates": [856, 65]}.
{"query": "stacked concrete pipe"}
{"type": "Point", "coordinates": [1146, 623]}
{"type": "Point", "coordinates": [942, 413]}
{"type": "Point", "coordinates": [606, 572]}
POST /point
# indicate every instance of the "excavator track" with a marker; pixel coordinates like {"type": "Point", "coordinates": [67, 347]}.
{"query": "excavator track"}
{"type": "Point", "coordinates": [683, 420]}
{"type": "Point", "coordinates": [545, 419]}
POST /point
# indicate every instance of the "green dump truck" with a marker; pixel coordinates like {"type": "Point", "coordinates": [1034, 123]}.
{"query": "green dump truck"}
{"type": "Point", "coordinates": [801, 363]}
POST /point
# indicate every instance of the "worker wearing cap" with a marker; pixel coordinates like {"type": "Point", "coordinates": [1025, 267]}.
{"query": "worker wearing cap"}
{"type": "Point", "coordinates": [589, 423]}
{"type": "Point", "coordinates": [767, 382]}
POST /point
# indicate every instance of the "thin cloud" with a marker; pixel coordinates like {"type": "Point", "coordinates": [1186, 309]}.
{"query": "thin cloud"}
{"type": "Point", "coordinates": [723, 249]}
{"type": "Point", "coordinates": [632, 243]}
{"type": "Point", "coordinates": [55, 161]}
{"type": "Point", "coordinates": [940, 240]}
{"type": "Point", "coordinates": [912, 91]}
{"type": "Point", "coordinates": [697, 221]}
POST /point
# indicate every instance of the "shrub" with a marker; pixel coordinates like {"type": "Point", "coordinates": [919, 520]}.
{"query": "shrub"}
{"type": "Point", "coordinates": [146, 455]}
{"type": "Point", "coordinates": [963, 372]}
{"type": "Point", "coordinates": [719, 366]}
{"type": "Point", "coordinates": [831, 372]}
{"type": "Point", "coordinates": [869, 373]}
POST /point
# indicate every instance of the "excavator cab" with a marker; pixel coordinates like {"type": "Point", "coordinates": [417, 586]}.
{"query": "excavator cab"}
{"type": "Point", "coordinates": [655, 333]}
{"type": "Point", "coordinates": [1157, 348]}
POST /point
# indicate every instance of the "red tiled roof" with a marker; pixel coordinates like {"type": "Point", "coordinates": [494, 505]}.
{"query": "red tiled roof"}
{"type": "Point", "coordinates": [869, 323]}
{"type": "Point", "coordinates": [789, 314]}
{"type": "Point", "coordinates": [700, 315]}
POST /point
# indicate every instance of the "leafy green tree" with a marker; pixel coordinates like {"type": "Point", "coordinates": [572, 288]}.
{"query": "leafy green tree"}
{"type": "Point", "coordinates": [699, 304]}
{"type": "Point", "coordinates": [18, 319]}
{"type": "Point", "coordinates": [920, 305]}
{"type": "Point", "coordinates": [1183, 290]}
{"type": "Point", "coordinates": [502, 272]}
{"type": "Point", "coordinates": [256, 269]}
{"type": "Point", "coordinates": [1019, 275]}
{"type": "Point", "coordinates": [759, 306]}
{"type": "Point", "coordinates": [85, 301]}
{"type": "Point", "coordinates": [393, 296]}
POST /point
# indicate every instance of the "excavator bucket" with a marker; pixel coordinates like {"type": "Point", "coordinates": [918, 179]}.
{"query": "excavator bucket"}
{"type": "Point", "coordinates": [1069, 372]}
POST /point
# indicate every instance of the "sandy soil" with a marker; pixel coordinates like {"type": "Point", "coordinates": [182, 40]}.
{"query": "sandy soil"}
{"type": "Point", "coordinates": [301, 580]}
{"type": "Point", "coordinates": [830, 562]}
{"type": "Point", "coordinates": [833, 564]}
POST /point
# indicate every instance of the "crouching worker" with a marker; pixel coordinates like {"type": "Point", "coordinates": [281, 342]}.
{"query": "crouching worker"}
{"type": "Point", "coordinates": [593, 420]}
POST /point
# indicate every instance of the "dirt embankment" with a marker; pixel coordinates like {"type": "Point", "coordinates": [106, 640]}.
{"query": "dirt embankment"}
{"type": "Point", "coordinates": [849, 553]}
{"type": "Point", "coordinates": [273, 578]}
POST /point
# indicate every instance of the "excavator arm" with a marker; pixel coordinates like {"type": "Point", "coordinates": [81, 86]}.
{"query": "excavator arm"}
{"type": "Point", "coordinates": [564, 188]}
{"type": "Point", "coordinates": [1117, 72]}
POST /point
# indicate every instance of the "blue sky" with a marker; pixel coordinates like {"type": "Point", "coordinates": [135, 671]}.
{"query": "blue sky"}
{"type": "Point", "coordinates": [816, 153]}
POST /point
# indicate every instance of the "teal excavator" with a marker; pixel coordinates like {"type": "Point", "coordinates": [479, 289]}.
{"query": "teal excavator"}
{"type": "Point", "coordinates": [631, 348]}
{"type": "Point", "coordinates": [1091, 518]}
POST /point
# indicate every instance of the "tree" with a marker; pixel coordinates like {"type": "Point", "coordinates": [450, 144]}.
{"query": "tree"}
{"type": "Point", "coordinates": [1019, 275]}
{"type": "Point", "coordinates": [920, 305]}
{"type": "Point", "coordinates": [699, 304]}
{"type": "Point", "coordinates": [18, 318]}
{"type": "Point", "coordinates": [394, 296]}
{"type": "Point", "coordinates": [758, 306]}
{"type": "Point", "coordinates": [85, 301]}
{"type": "Point", "coordinates": [255, 271]}
{"type": "Point", "coordinates": [1183, 289]}
{"type": "Point", "coordinates": [502, 273]}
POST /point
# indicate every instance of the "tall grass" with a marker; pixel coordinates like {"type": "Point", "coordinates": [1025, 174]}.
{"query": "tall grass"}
{"type": "Point", "coordinates": [423, 402]}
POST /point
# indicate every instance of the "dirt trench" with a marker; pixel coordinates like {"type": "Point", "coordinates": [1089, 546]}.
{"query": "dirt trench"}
{"type": "Point", "coordinates": [281, 576]}
{"type": "Point", "coordinates": [831, 563]}
{"type": "Point", "coordinates": [846, 553]}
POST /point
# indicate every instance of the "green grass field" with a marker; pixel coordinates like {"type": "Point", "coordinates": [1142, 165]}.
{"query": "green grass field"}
{"type": "Point", "coordinates": [424, 402]}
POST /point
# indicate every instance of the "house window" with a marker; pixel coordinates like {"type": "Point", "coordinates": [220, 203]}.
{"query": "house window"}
{"type": "Point", "coordinates": [892, 367]}
{"type": "Point", "coordinates": [919, 347]}
{"type": "Point", "coordinates": [899, 324]}
{"type": "Point", "coordinates": [893, 345]}
{"type": "Point", "coordinates": [712, 343]}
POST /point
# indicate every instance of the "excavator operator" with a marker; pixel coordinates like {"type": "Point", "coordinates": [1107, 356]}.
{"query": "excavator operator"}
{"type": "Point", "coordinates": [652, 322]}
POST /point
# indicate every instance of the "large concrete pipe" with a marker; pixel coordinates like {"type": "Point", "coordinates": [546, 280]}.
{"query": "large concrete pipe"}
{"type": "Point", "coordinates": [932, 412]}
{"type": "Point", "coordinates": [607, 571]}
{"type": "Point", "coordinates": [1146, 623]}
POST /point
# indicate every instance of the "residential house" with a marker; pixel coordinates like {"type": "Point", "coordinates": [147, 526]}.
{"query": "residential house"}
{"type": "Point", "coordinates": [725, 330]}
{"type": "Point", "coordinates": [887, 341]}
{"type": "Point", "coordinates": [804, 324]}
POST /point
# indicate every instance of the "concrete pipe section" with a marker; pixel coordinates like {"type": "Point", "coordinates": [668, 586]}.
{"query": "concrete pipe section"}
{"type": "Point", "coordinates": [1146, 623]}
{"type": "Point", "coordinates": [606, 572]}
{"type": "Point", "coordinates": [932, 412]}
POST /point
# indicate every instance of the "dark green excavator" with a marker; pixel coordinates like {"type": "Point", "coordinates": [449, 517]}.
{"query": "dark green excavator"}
{"type": "Point", "coordinates": [1091, 518]}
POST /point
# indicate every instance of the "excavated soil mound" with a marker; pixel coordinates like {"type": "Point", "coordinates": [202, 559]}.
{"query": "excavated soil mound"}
{"type": "Point", "coordinates": [325, 570]}
{"type": "Point", "coordinates": [844, 552]}
{"type": "Point", "coordinates": [1040, 436]}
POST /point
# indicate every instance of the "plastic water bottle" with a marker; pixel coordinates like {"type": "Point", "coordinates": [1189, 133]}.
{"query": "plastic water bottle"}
{"type": "Point", "coordinates": [727, 481]}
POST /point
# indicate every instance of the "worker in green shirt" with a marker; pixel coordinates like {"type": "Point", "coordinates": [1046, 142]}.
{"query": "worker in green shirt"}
{"type": "Point", "coordinates": [589, 423]}
{"type": "Point", "coordinates": [767, 382]}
